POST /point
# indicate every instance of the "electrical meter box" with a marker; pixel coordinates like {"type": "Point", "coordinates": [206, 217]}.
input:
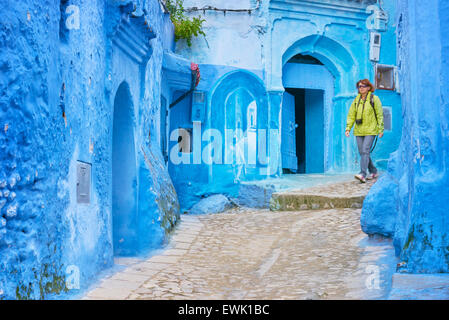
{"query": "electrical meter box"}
{"type": "Point", "coordinates": [198, 106]}
{"type": "Point", "coordinates": [380, 20]}
{"type": "Point", "coordinates": [83, 182]}
{"type": "Point", "coordinates": [374, 46]}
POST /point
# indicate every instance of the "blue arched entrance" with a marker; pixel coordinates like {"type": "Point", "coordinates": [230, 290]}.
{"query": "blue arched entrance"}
{"type": "Point", "coordinates": [239, 111]}
{"type": "Point", "coordinates": [307, 100]}
{"type": "Point", "coordinates": [323, 73]}
{"type": "Point", "coordinates": [124, 175]}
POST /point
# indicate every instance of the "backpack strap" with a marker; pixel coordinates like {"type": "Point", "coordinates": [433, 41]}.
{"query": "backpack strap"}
{"type": "Point", "coordinates": [357, 109]}
{"type": "Point", "coordinates": [371, 101]}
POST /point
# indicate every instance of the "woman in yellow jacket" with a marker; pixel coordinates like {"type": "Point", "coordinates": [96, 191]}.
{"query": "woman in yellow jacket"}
{"type": "Point", "coordinates": [366, 112]}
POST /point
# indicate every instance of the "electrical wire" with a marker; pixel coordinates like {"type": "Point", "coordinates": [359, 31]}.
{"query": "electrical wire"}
{"type": "Point", "coordinates": [210, 8]}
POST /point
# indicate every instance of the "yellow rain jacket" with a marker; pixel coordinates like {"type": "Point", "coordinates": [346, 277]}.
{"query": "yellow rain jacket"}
{"type": "Point", "coordinates": [369, 126]}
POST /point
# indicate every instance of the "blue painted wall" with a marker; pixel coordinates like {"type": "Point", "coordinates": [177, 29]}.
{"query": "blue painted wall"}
{"type": "Point", "coordinates": [57, 91]}
{"type": "Point", "coordinates": [409, 202]}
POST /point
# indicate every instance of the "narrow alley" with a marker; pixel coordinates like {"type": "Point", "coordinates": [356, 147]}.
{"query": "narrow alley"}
{"type": "Point", "coordinates": [261, 254]}
{"type": "Point", "coordinates": [224, 150]}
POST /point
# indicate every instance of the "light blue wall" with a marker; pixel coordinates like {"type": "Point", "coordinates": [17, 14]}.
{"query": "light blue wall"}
{"type": "Point", "coordinates": [409, 202]}
{"type": "Point", "coordinates": [227, 34]}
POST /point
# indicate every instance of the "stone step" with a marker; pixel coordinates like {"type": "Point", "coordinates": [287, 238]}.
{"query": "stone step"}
{"type": "Point", "coordinates": [349, 194]}
{"type": "Point", "coordinates": [294, 202]}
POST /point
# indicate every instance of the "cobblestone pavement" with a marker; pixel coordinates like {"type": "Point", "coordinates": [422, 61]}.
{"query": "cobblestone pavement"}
{"type": "Point", "coordinates": [258, 254]}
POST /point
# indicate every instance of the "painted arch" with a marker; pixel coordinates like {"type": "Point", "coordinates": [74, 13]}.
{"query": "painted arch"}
{"type": "Point", "coordinates": [340, 62]}
{"type": "Point", "coordinates": [337, 59]}
{"type": "Point", "coordinates": [239, 100]}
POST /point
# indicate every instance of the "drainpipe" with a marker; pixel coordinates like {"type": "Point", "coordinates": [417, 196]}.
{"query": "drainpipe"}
{"type": "Point", "coordinates": [195, 71]}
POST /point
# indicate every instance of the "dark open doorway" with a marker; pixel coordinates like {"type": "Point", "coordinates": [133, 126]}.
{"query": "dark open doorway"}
{"type": "Point", "coordinates": [303, 131]}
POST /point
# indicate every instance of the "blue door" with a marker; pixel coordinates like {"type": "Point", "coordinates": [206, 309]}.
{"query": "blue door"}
{"type": "Point", "coordinates": [288, 139]}
{"type": "Point", "coordinates": [314, 140]}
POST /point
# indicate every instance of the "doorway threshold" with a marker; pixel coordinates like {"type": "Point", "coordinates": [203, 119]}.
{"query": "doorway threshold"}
{"type": "Point", "coordinates": [298, 181]}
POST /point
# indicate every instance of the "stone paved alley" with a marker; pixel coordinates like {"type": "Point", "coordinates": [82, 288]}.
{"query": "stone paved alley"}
{"type": "Point", "coordinates": [128, 127]}
{"type": "Point", "coordinates": [260, 254]}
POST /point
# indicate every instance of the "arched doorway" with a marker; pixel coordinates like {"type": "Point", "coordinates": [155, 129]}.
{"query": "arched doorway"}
{"type": "Point", "coordinates": [323, 73]}
{"type": "Point", "coordinates": [238, 105]}
{"type": "Point", "coordinates": [124, 175]}
{"type": "Point", "coordinates": [239, 110]}
{"type": "Point", "coordinates": [307, 97]}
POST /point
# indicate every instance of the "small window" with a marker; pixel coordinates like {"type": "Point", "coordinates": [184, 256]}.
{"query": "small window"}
{"type": "Point", "coordinates": [184, 140]}
{"type": "Point", "coordinates": [198, 106]}
{"type": "Point", "coordinates": [387, 118]}
{"type": "Point", "coordinates": [385, 77]}
{"type": "Point", "coordinates": [198, 97]}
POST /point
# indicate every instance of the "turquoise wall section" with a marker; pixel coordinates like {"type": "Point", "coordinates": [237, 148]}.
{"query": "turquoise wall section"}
{"type": "Point", "coordinates": [409, 202]}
